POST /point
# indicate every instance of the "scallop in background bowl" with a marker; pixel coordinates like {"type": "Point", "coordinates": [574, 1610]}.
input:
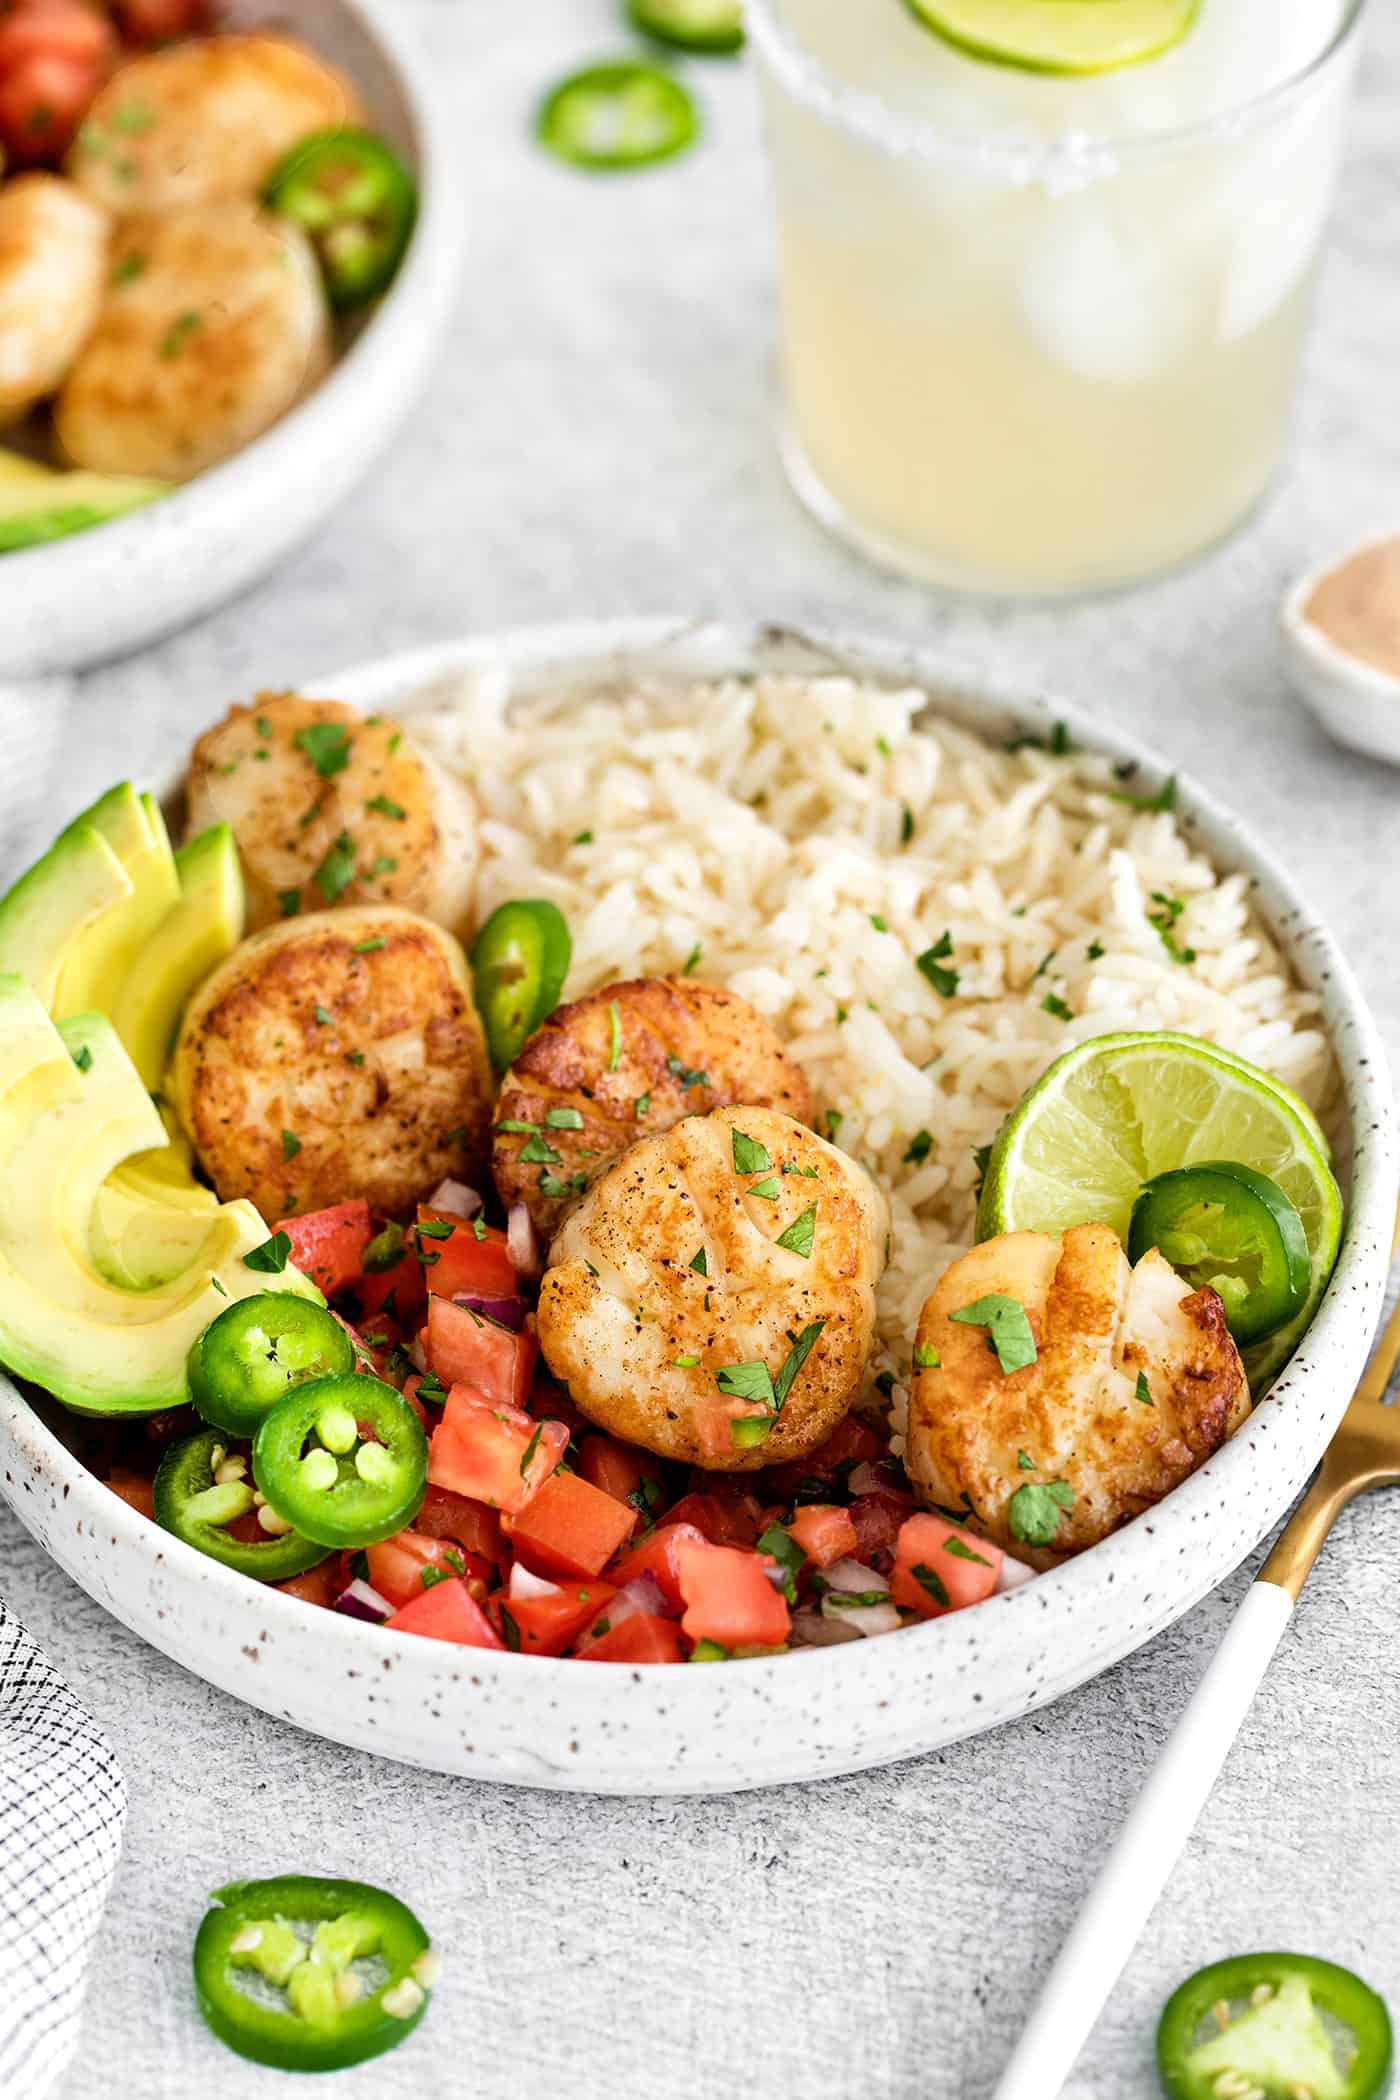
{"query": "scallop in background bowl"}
{"type": "Point", "coordinates": [669, 1729]}
{"type": "Point", "coordinates": [115, 587]}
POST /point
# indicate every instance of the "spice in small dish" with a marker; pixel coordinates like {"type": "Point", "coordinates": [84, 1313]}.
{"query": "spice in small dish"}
{"type": "Point", "coordinates": [1356, 605]}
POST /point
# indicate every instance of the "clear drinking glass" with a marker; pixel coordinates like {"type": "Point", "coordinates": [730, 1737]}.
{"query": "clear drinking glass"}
{"type": "Point", "coordinates": [1041, 331]}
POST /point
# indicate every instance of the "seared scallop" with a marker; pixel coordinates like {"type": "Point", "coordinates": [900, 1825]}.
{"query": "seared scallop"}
{"type": "Point", "coordinates": [330, 806]}
{"type": "Point", "coordinates": [1135, 1382]}
{"type": "Point", "coordinates": [338, 1055]}
{"type": "Point", "coordinates": [213, 326]}
{"type": "Point", "coordinates": [628, 1062]}
{"type": "Point", "coordinates": [712, 1296]}
{"type": "Point", "coordinates": [53, 270]}
{"type": "Point", "coordinates": [205, 121]}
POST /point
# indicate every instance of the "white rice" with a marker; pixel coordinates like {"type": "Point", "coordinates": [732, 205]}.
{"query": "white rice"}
{"type": "Point", "coordinates": [761, 823]}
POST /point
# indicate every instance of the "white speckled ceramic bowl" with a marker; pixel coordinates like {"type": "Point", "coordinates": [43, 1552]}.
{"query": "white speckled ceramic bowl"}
{"type": "Point", "coordinates": [109, 590]}
{"type": "Point", "coordinates": [618, 1729]}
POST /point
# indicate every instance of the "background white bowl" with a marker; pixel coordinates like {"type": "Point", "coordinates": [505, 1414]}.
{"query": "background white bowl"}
{"type": "Point", "coordinates": [583, 1726]}
{"type": "Point", "coordinates": [81, 600]}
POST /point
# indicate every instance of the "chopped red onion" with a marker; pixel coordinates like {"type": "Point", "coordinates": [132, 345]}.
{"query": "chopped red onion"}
{"type": "Point", "coordinates": [524, 1584]}
{"type": "Point", "coordinates": [852, 1575]}
{"type": "Point", "coordinates": [359, 1601]}
{"type": "Point", "coordinates": [878, 1477]}
{"type": "Point", "coordinates": [456, 1197]}
{"type": "Point", "coordinates": [642, 1593]}
{"type": "Point", "coordinates": [866, 1618]}
{"type": "Point", "coordinates": [521, 1243]}
{"type": "Point", "coordinates": [811, 1630]}
{"type": "Point", "coordinates": [1012, 1573]}
{"type": "Point", "coordinates": [506, 1312]}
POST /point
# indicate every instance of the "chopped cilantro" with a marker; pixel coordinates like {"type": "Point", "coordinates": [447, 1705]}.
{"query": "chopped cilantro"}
{"type": "Point", "coordinates": [834, 1119]}
{"type": "Point", "coordinates": [538, 1149]}
{"type": "Point", "coordinates": [564, 1119]}
{"type": "Point", "coordinates": [691, 961]}
{"type": "Point", "coordinates": [1144, 1390]}
{"type": "Point", "coordinates": [787, 1553]}
{"type": "Point", "coordinates": [699, 1261]}
{"type": "Point", "coordinates": [289, 902]}
{"type": "Point", "coordinates": [291, 1144]}
{"type": "Point", "coordinates": [750, 1157]}
{"type": "Point", "coordinates": [614, 1035]}
{"type": "Point", "coordinates": [1053, 1004]}
{"type": "Point", "coordinates": [928, 1579]}
{"type": "Point", "coordinates": [1163, 799]}
{"type": "Point", "coordinates": [1164, 919]}
{"type": "Point", "coordinates": [327, 745]}
{"type": "Point", "coordinates": [1025, 1461]}
{"type": "Point", "coordinates": [323, 1019]}
{"type": "Point", "coordinates": [383, 806]}
{"type": "Point", "coordinates": [768, 1190]}
{"type": "Point", "coordinates": [1008, 1327]}
{"type": "Point", "coordinates": [1094, 950]}
{"type": "Point", "coordinates": [906, 825]}
{"type": "Point", "coordinates": [920, 1146]}
{"type": "Point", "coordinates": [686, 1074]}
{"type": "Point", "coordinates": [930, 965]}
{"type": "Point", "coordinates": [800, 1235]}
{"type": "Point", "coordinates": [1034, 1511]}
{"type": "Point", "coordinates": [641, 1105]}
{"type": "Point", "coordinates": [746, 1381]}
{"type": "Point", "coordinates": [685, 1363]}
{"type": "Point", "coordinates": [879, 922]}
{"type": "Point", "coordinates": [82, 1058]}
{"type": "Point", "coordinates": [583, 838]}
{"type": "Point", "coordinates": [337, 869]}
{"type": "Point", "coordinates": [369, 947]}
{"type": "Point", "coordinates": [530, 1449]}
{"type": "Point", "coordinates": [270, 1259]}
{"type": "Point", "coordinates": [960, 1550]}
{"type": "Point", "coordinates": [794, 1360]}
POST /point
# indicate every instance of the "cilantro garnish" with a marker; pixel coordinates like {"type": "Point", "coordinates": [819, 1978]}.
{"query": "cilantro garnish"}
{"type": "Point", "coordinates": [796, 1357]}
{"type": "Point", "coordinates": [640, 1106]}
{"type": "Point", "coordinates": [271, 1258]}
{"type": "Point", "coordinates": [685, 1363]}
{"type": "Point", "coordinates": [289, 902]}
{"type": "Point", "coordinates": [929, 1579]}
{"type": "Point", "coordinates": [879, 922]}
{"type": "Point", "coordinates": [435, 1229]}
{"type": "Point", "coordinates": [686, 1074]}
{"type": "Point", "coordinates": [1008, 1327]}
{"type": "Point", "coordinates": [787, 1553]}
{"type": "Point", "coordinates": [906, 825]}
{"type": "Point", "coordinates": [82, 1058]}
{"type": "Point", "coordinates": [750, 1157]}
{"type": "Point", "coordinates": [930, 965]}
{"type": "Point", "coordinates": [291, 1144]}
{"type": "Point", "coordinates": [800, 1235]}
{"type": "Point", "coordinates": [834, 1120]}
{"type": "Point", "coordinates": [323, 1019]}
{"type": "Point", "coordinates": [1052, 1003]}
{"type": "Point", "coordinates": [551, 1185]}
{"type": "Point", "coordinates": [327, 745]}
{"type": "Point", "coordinates": [1025, 1461]}
{"type": "Point", "coordinates": [692, 960]}
{"type": "Point", "coordinates": [747, 1381]}
{"type": "Point", "coordinates": [1164, 919]}
{"type": "Point", "coordinates": [384, 807]}
{"type": "Point", "coordinates": [583, 838]}
{"type": "Point", "coordinates": [1164, 798]}
{"type": "Point", "coordinates": [920, 1146]}
{"type": "Point", "coordinates": [960, 1550]}
{"type": "Point", "coordinates": [538, 1149]}
{"type": "Point", "coordinates": [368, 947]}
{"type": "Point", "coordinates": [1035, 1510]}
{"type": "Point", "coordinates": [768, 1189]}
{"type": "Point", "coordinates": [530, 1449]}
{"type": "Point", "coordinates": [700, 1262]}
{"type": "Point", "coordinates": [564, 1119]}
{"type": "Point", "coordinates": [337, 869]}
{"type": "Point", "coordinates": [614, 1035]}
{"type": "Point", "coordinates": [1143, 1390]}
{"type": "Point", "coordinates": [1094, 951]}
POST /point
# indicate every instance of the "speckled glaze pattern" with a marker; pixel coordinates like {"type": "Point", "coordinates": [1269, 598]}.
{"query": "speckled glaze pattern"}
{"type": "Point", "coordinates": [82, 600]}
{"type": "Point", "coordinates": [658, 1730]}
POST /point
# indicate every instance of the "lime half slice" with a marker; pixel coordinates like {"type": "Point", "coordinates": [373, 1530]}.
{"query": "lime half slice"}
{"type": "Point", "coordinates": [1060, 36]}
{"type": "Point", "coordinates": [1120, 1109]}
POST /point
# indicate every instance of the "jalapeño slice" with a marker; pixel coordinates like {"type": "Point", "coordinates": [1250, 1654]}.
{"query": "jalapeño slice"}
{"type": "Point", "coordinates": [311, 1975]}
{"type": "Point", "coordinates": [621, 115]}
{"type": "Point", "coordinates": [343, 1459]}
{"type": "Point", "coordinates": [519, 961]}
{"type": "Point", "coordinates": [1228, 1226]}
{"type": "Point", "coordinates": [257, 1350]}
{"type": "Point", "coordinates": [218, 1517]}
{"type": "Point", "coordinates": [1280, 2024]}
{"type": "Point", "coordinates": [710, 27]}
{"type": "Point", "coordinates": [355, 198]}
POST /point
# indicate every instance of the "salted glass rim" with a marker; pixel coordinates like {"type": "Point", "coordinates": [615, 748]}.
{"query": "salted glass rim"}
{"type": "Point", "coordinates": [1066, 158]}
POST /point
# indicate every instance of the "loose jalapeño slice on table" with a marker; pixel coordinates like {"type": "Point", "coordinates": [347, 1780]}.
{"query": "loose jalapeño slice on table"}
{"type": "Point", "coordinates": [220, 1516]}
{"type": "Point", "coordinates": [711, 27]}
{"type": "Point", "coordinates": [343, 1459]}
{"type": "Point", "coordinates": [1278, 2024]}
{"type": "Point", "coordinates": [1225, 1225]}
{"type": "Point", "coordinates": [311, 1975]}
{"type": "Point", "coordinates": [257, 1350]}
{"type": "Point", "coordinates": [355, 198]}
{"type": "Point", "coordinates": [622, 115]}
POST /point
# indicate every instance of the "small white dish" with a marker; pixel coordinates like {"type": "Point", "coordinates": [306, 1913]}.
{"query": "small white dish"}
{"type": "Point", "coordinates": [657, 1729]}
{"type": "Point", "coordinates": [119, 586]}
{"type": "Point", "coordinates": [1356, 702]}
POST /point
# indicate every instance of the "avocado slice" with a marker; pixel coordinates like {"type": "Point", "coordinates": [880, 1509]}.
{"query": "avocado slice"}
{"type": "Point", "coordinates": [78, 883]}
{"type": "Point", "coordinates": [38, 505]}
{"type": "Point", "coordinates": [73, 1108]}
{"type": "Point", "coordinates": [102, 956]}
{"type": "Point", "coordinates": [204, 926]}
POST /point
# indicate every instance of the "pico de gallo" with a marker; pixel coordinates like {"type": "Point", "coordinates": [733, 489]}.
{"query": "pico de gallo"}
{"type": "Point", "coordinates": [403, 1457]}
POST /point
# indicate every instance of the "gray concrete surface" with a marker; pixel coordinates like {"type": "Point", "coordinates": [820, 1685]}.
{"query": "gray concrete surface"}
{"type": "Point", "coordinates": [596, 439]}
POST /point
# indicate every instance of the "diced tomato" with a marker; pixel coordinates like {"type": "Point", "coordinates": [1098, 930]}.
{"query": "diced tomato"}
{"type": "Point", "coordinates": [644, 1638]}
{"type": "Point", "coordinates": [493, 1454]}
{"type": "Point", "coordinates": [396, 1564]}
{"type": "Point", "coordinates": [478, 1267]}
{"type": "Point", "coordinates": [570, 1527]}
{"type": "Point", "coordinates": [939, 1567]}
{"type": "Point", "coordinates": [378, 1339]}
{"type": "Point", "coordinates": [877, 1518]}
{"type": "Point", "coordinates": [54, 55]}
{"type": "Point", "coordinates": [134, 1488]}
{"type": "Point", "coordinates": [851, 1443]}
{"type": "Point", "coordinates": [825, 1532]}
{"type": "Point", "coordinates": [464, 1349]}
{"type": "Point", "coordinates": [550, 1623]}
{"type": "Point", "coordinates": [410, 1393]}
{"type": "Point", "coordinates": [622, 1471]}
{"type": "Point", "coordinates": [550, 1400]}
{"type": "Point", "coordinates": [319, 1585]}
{"type": "Point", "coordinates": [726, 1520]}
{"type": "Point", "coordinates": [398, 1290]}
{"type": "Point", "coordinates": [161, 21]}
{"type": "Point", "coordinates": [447, 1612]}
{"type": "Point", "coordinates": [329, 1245]}
{"type": "Point", "coordinates": [728, 1597]}
{"type": "Point", "coordinates": [655, 1555]}
{"type": "Point", "coordinates": [470, 1525]}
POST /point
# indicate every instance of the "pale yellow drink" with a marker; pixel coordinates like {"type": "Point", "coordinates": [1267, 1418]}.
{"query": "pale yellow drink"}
{"type": "Point", "coordinates": [1041, 332]}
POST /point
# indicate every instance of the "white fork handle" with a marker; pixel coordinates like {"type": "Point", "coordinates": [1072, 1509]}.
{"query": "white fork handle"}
{"type": "Point", "coordinates": [1148, 1846]}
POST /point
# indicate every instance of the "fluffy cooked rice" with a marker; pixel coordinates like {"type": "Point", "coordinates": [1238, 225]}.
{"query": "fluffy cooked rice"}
{"type": "Point", "coordinates": [802, 841]}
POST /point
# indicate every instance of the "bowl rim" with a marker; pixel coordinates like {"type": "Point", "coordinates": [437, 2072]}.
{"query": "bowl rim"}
{"type": "Point", "coordinates": [1277, 1435]}
{"type": "Point", "coordinates": [1317, 647]}
{"type": "Point", "coordinates": [428, 264]}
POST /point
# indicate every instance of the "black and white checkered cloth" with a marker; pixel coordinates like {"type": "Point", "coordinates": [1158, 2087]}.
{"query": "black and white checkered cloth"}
{"type": "Point", "coordinates": [62, 1800]}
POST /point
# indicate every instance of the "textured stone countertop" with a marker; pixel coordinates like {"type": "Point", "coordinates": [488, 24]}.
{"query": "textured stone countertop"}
{"type": "Point", "coordinates": [596, 439]}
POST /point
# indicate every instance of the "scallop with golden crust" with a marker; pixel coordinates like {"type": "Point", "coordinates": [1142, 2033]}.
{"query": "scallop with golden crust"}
{"type": "Point", "coordinates": [627, 1062]}
{"type": "Point", "coordinates": [338, 1055]}
{"type": "Point", "coordinates": [712, 1296]}
{"type": "Point", "coordinates": [330, 806]}
{"type": "Point", "coordinates": [1136, 1382]}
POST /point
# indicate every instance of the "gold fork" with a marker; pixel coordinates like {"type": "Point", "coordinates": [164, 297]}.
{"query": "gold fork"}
{"type": "Point", "coordinates": [1364, 1453]}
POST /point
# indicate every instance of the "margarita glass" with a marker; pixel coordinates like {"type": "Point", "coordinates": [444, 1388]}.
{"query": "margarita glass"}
{"type": "Point", "coordinates": [1041, 329]}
